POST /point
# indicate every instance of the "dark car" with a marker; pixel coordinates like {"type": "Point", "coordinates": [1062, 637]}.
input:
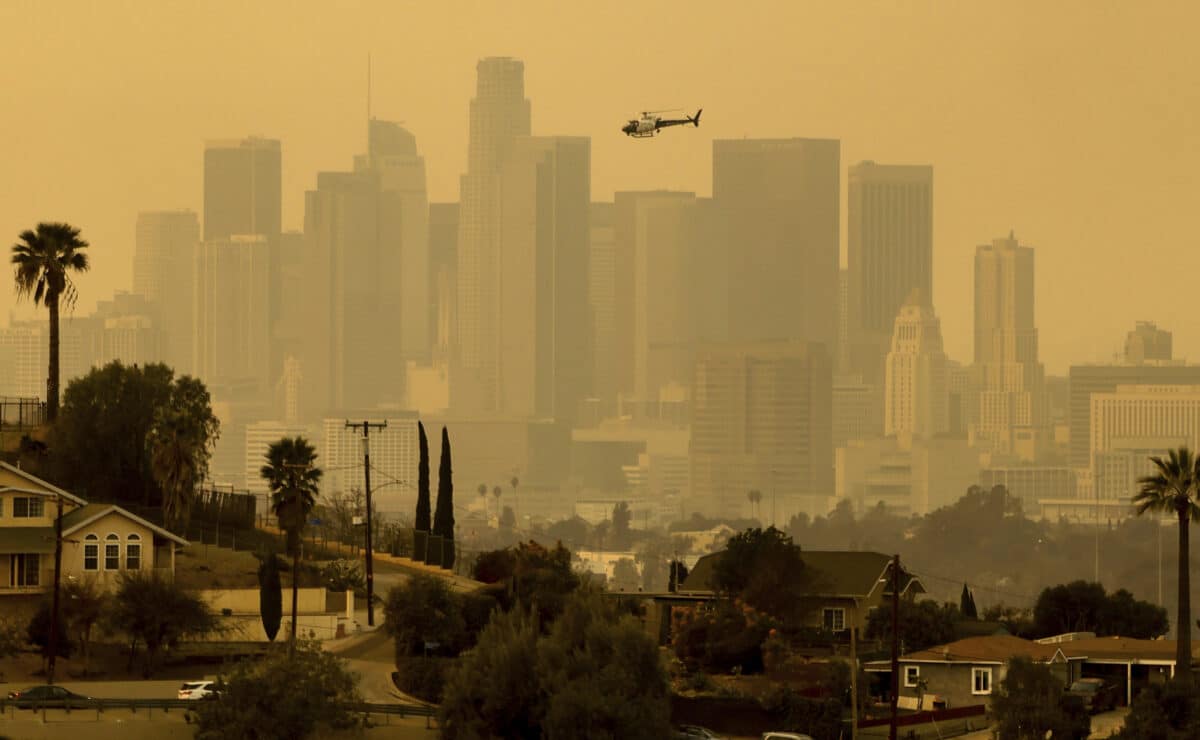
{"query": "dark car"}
{"type": "Point", "coordinates": [49, 696]}
{"type": "Point", "coordinates": [1096, 694]}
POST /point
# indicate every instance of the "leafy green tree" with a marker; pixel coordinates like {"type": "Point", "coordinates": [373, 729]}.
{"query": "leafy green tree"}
{"type": "Point", "coordinates": [764, 567]}
{"type": "Point", "coordinates": [966, 604]}
{"type": "Point", "coordinates": [1169, 711]}
{"type": "Point", "coordinates": [625, 575]}
{"type": "Point", "coordinates": [922, 624]}
{"type": "Point", "coordinates": [83, 607]}
{"type": "Point", "coordinates": [270, 594]}
{"type": "Point", "coordinates": [152, 610]}
{"type": "Point", "coordinates": [344, 575]}
{"type": "Point", "coordinates": [38, 633]}
{"type": "Point", "coordinates": [281, 698]}
{"type": "Point", "coordinates": [508, 520]}
{"type": "Point", "coordinates": [1029, 705]}
{"type": "Point", "coordinates": [423, 610]}
{"type": "Point", "coordinates": [43, 261]}
{"type": "Point", "coordinates": [179, 447]}
{"type": "Point", "coordinates": [422, 523]}
{"type": "Point", "coordinates": [1172, 489]}
{"type": "Point", "coordinates": [507, 704]}
{"type": "Point", "coordinates": [573, 531]}
{"type": "Point", "coordinates": [293, 477]}
{"type": "Point", "coordinates": [1080, 606]}
{"type": "Point", "coordinates": [1018, 621]}
{"type": "Point", "coordinates": [12, 638]}
{"type": "Point", "coordinates": [534, 577]}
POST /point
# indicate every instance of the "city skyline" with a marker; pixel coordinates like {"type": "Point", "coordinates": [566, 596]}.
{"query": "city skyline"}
{"type": "Point", "coordinates": [988, 147]}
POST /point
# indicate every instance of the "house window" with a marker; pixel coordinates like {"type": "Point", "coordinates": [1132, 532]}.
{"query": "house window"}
{"type": "Point", "coordinates": [91, 552]}
{"type": "Point", "coordinates": [112, 552]}
{"type": "Point", "coordinates": [911, 674]}
{"type": "Point", "coordinates": [834, 620]}
{"type": "Point", "coordinates": [133, 553]}
{"type": "Point", "coordinates": [981, 681]}
{"type": "Point", "coordinates": [27, 507]}
{"type": "Point", "coordinates": [24, 570]}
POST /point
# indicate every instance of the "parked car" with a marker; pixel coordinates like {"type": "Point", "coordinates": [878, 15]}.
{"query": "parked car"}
{"type": "Point", "coordinates": [1097, 694]}
{"type": "Point", "coordinates": [695, 732]}
{"type": "Point", "coordinates": [199, 690]}
{"type": "Point", "coordinates": [785, 736]}
{"type": "Point", "coordinates": [44, 696]}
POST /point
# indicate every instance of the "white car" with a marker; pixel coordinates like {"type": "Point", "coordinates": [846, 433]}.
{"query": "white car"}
{"type": "Point", "coordinates": [784, 736]}
{"type": "Point", "coordinates": [198, 690]}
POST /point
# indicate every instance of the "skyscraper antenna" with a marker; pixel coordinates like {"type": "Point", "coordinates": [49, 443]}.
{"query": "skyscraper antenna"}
{"type": "Point", "coordinates": [368, 88]}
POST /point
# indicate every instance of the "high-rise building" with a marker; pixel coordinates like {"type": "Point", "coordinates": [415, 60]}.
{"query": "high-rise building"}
{"type": "Point", "coordinates": [499, 114]}
{"type": "Point", "coordinates": [857, 410]}
{"type": "Point", "coordinates": [1147, 342]}
{"type": "Point", "coordinates": [231, 320]}
{"type": "Point", "coordinates": [762, 420]}
{"type": "Point", "coordinates": [164, 265]}
{"type": "Point", "coordinates": [889, 251]}
{"type": "Point", "coordinates": [124, 329]}
{"type": "Point", "coordinates": [777, 208]}
{"type": "Point", "coordinates": [25, 356]}
{"type": "Point", "coordinates": [543, 363]}
{"type": "Point", "coordinates": [443, 277]}
{"type": "Point", "coordinates": [366, 277]}
{"type": "Point", "coordinates": [915, 403]}
{"type": "Point", "coordinates": [602, 295]}
{"type": "Point", "coordinates": [1012, 416]}
{"type": "Point", "coordinates": [1134, 422]}
{"type": "Point", "coordinates": [242, 188]}
{"type": "Point", "coordinates": [1086, 381]}
{"type": "Point", "coordinates": [654, 239]}
{"type": "Point", "coordinates": [259, 436]}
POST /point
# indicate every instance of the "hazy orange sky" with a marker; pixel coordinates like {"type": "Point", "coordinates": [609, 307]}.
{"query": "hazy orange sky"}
{"type": "Point", "coordinates": [1073, 123]}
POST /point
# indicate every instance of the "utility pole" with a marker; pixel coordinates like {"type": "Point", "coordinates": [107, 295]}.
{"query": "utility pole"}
{"type": "Point", "coordinates": [53, 640]}
{"type": "Point", "coordinates": [895, 643]}
{"type": "Point", "coordinates": [366, 430]}
{"type": "Point", "coordinates": [854, 674]}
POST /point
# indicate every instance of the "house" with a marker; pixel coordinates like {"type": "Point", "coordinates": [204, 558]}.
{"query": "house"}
{"type": "Point", "coordinates": [1129, 663]}
{"type": "Point", "coordinates": [100, 541]}
{"type": "Point", "coordinates": [845, 586]}
{"type": "Point", "coordinates": [966, 672]}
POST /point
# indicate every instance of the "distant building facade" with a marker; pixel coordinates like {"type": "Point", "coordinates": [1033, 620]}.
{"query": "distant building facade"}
{"type": "Point", "coordinates": [164, 269]}
{"type": "Point", "coordinates": [915, 385]}
{"type": "Point", "coordinates": [1147, 342]}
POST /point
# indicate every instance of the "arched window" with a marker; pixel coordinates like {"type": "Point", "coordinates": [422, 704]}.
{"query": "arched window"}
{"type": "Point", "coordinates": [91, 553]}
{"type": "Point", "coordinates": [112, 552]}
{"type": "Point", "coordinates": [133, 552]}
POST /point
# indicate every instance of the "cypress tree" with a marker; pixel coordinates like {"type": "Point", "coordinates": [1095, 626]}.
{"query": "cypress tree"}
{"type": "Point", "coordinates": [966, 604]}
{"type": "Point", "coordinates": [422, 519]}
{"type": "Point", "coordinates": [270, 595]}
{"type": "Point", "coordinates": [443, 516]}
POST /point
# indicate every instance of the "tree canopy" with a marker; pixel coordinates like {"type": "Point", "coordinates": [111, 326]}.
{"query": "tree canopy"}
{"type": "Point", "coordinates": [921, 624]}
{"type": "Point", "coordinates": [1029, 703]}
{"type": "Point", "coordinates": [1080, 606]}
{"type": "Point", "coordinates": [764, 567]}
{"type": "Point", "coordinates": [157, 613]}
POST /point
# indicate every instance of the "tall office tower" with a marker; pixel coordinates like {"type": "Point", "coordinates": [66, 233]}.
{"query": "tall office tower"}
{"type": "Point", "coordinates": [762, 420]}
{"type": "Point", "coordinates": [499, 115]}
{"type": "Point", "coordinates": [242, 188]}
{"type": "Point", "coordinates": [842, 360]}
{"type": "Point", "coordinates": [543, 359]}
{"type": "Point", "coordinates": [443, 277]}
{"type": "Point", "coordinates": [602, 291]}
{"type": "Point", "coordinates": [1087, 381]}
{"type": "Point", "coordinates": [394, 454]}
{"type": "Point", "coordinates": [1147, 343]}
{"type": "Point", "coordinates": [366, 244]}
{"type": "Point", "coordinates": [777, 204]}
{"type": "Point", "coordinates": [890, 254]}
{"type": "Point", "coordinates": [915, 404]}
{"type": "Point", "coordinates": [164, 263]}
{"type": "Point", "coordinates": [1012, 416]}
{"type": "Point", "coordinates": [392, 157]}
{"type": "Point", "coordinates": [288, 390]}
{"type": "Point", "coordinates": [231, 323]}
{"type": "Point", "coordinates": [654, 238]}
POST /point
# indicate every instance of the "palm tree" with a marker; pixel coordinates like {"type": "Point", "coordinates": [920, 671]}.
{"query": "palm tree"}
{"type": "Point", "coordinates": [43, 260]}
{"type": "Point", "coordinates": [292, 478]}
{"type": "Point", "coordinates": [1172, 489]}
{"type": "Point", "coordinates": [514, 483]}
{"type": "Point", "coordinates": [754, 496]}
{"type": "Point", "coordinates": [177, 462]}
{"type": "Point", "coordinates": [497, 492]}
{"type": "Point", "coordinates": [487, 509]}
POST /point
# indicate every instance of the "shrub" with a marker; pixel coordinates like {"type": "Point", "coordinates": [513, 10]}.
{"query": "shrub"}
{"type": "Point", "coordinates": [795, 713]}
{"type": "Point", "coordinates": [422, 677]}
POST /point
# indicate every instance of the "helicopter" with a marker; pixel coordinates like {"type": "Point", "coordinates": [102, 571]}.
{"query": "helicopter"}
{"type": "Point", "coordinates": [650, 122]}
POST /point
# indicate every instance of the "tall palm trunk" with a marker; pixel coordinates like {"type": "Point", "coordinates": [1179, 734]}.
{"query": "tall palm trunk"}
{"type": "Point", "coordinates": [52, 372]}
{"type": "Point", "coordinates": [1183, 624]}
{"type": "Point", "coordinates": [295, 596]}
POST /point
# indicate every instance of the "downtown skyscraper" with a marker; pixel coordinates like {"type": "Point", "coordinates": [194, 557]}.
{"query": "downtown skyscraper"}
{"type": "Point", "coordinates": [889, 253]}
{"type": "Point", "coordinates": [499, 114]}
{"type": "Point", "coordinates": [164, 273]}
{"type": "Point", "coordinates": [242, 188]}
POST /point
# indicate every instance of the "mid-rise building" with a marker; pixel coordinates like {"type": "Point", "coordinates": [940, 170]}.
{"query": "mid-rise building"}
{"type": "Point", "coordinates": [762, 419]}
{"type": "Point", "coordinates": [394, 456]}
{"type": "Point", "coordinates": [602, 299]}
{"type": "Point", "coordinates": [1133, 423]}
{"type": "Point", "coordinates": [231, 321]}
{"type": "Point", "coordinates": [259, 436]}
{"type": "Point", "coordinates": [857, 410]}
